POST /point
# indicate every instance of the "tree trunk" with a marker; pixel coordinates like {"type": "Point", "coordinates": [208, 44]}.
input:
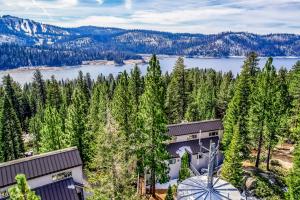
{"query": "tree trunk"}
{"type": "Point", "coordinates": [269, 157]}
{"type": "Point", "coordinates": [258, 150]}
{"type": "Point", "coordinates": [152, 190]}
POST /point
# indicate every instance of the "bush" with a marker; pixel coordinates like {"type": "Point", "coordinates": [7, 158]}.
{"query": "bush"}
{"type": "Point", "coordinates": [275, 163]}
{"type": "Point", "coordinates": [262, 189]}
{"type": "Point", "coordinates": [265, 190]}
{"type": "Point", "coordinates": [169, 195]}
{"type": "Point", "coordinates": [184, 171]}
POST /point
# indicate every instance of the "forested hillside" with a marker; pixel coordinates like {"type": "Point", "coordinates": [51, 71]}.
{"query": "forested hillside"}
{"type": "Point", "coordinates": [119, 123]}
{"type": "Point", "coordinates": [86, 43]}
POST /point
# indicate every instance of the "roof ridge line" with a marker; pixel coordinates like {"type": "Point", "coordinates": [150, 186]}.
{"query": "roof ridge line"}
{"type": "Point", "coordinates": [42, 155]}
{"type": "Point", "coordinates": [195, 122]}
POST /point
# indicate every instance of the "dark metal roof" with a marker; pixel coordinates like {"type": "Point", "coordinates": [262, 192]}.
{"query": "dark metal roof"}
{"type": "Point", "coordinates": [193, 144]}
{"type": "Point", "coordinates": [194, 127]}
{"type": "Point", "coordinates": [39, 165]}
{"type": "Point", "coordinates": [61, 190]}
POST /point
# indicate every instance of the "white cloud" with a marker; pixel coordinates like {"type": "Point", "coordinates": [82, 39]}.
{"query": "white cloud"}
{"type": "Point", "coordinates": [100, 1]}
{"type": "Point", "coordinates": [258, 16]}
{"type": "Point", "coordinates": [128, 4]}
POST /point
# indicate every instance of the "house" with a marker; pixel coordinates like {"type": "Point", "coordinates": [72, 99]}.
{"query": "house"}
{"type": "Point", "coordinates": [193, 138]}
{"type": "Point", "coordinates": [55, 175]}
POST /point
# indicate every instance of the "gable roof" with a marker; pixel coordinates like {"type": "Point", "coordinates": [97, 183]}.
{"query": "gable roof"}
{"type": "Point", "coordinates": [194, 127]}
{"type": "Point", "coordinates": [39, 165]}
{"type": "Point", "coordinates": [192, 144]}
{"type": "Point", "coordinates": [61, 190]}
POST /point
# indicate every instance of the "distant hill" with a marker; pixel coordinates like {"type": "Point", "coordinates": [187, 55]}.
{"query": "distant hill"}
{"type": "Point", "coordinates": [86, 43]}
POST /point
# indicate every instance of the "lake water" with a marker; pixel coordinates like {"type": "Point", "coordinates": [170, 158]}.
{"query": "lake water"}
{"type": "Point", "coordinates": [167, 64]}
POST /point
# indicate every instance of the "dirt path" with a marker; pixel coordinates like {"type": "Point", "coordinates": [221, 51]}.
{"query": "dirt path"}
{"type": "Point", "coordinates": [283, 153]}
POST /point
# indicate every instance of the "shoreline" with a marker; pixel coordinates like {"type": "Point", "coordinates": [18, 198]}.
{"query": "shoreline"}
{"type": "Point", "coordinates": [145, 59]}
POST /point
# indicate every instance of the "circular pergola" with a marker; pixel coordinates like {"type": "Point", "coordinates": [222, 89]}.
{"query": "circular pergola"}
{"type": "Point", "coordinates": [197, 188]}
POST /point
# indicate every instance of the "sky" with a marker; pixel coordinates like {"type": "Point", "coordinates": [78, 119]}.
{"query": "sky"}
{"type": "Point", "coordinates": [191, 16]}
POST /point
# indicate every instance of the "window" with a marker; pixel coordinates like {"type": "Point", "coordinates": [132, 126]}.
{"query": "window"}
{"type": "Point", "coordinates": [215, 133]}
{"type": "Point", "coordinates": [61, 176]}
{"type": "Point", "coordinates": [192, 137]}
{"type": "Point", "coordinates": [172, 161]}
{"type": "Point", "coordinates": [199, 156]}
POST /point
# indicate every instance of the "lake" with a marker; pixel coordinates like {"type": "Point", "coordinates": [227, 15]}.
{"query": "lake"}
{"type": "Point", "coordinates": [167, 63]}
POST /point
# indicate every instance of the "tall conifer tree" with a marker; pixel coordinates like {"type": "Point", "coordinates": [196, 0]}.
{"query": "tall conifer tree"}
{"type": "Point", "coordinates": [52, 135]}
{"type": "Point", "coordinates": [238, 108]}
{"type": "Point", "coordinates": [294, 176]}
{"type": "Point", "coordinates": [176, 100]}
{"type": "Point", "coordinates": [121, 107]}
{"type": "Point", "coordinates": [232, 168]}
{"type": "Point", "coordinates": [294, 121]}
{"type": "Point", "coordinates": [12, 146]}
{"type": "Point", "coordinates": [76, 125]}
{"type": "Point", "coordinates": [39, 88]}
{"type": "Point", "coordinates": [153, 122]}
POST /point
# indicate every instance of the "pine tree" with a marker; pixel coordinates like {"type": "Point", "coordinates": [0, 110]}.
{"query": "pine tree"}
{"type": "Point", "coordinates": [121, 107]}
{"type": "Point", "coordinates": [135, 89]}
{"type": "Point", "coordinates": [274, 107]}
{"type": "Point", "coordinates": [265, 112]}
{"type": "Point", "coordinates": [54, 97]}
{"type": "Point", "coordinates": [257, 117]}
{"type": "Point", "coordinates": [22, 191]}
{"type": "Point", "coordinates": [97, 111]}
{"type": "Point", "coordinates": [10, 88]}
{"type": "Point", "coordinates": [205, 101]}
{"type": "Point", "coordinates": [113, 174]}
{"type": "Point", "coordinates": [169, 195]}
{"type": "Point", "coordinates": [232, 168]}
{"type": "Point", "coordinates": [284, 101]}
{"type": "Point", "coordinates": [153, 125]}
{"type": "Point", "coordinates": [76, 125]}
{"type": "Point", "coordinates": [39, 88]}
{"type": "Point", "coordinates": [35, 127]}
{"type": "Point", "coordinates": [225, 94]}
{"type": "Point", "coordinates": [238, 108]}
{"type": "Point", "coordinates": [52, 135]}
{"type": "Point", "coordinates": [176, 100]}
{"type": "Point", "coordinates": [83, 86]}
{"type": "Point", "coordinates": [184, 172]}
{"type": "Point", "coordinates": [294, 176]}
{"type": "Point", "coordinates": [12, 146]}
{"type": "Point", "coordinates": [25, 109]}
{"type": "Point", "coordinates": [294, 89]}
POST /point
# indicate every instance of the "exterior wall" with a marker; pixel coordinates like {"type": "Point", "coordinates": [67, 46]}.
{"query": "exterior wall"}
{"type": "Point", "coordinates": [182, 138]}
{"type": "Point", "coordinates": [197, 163]}
{"type": "Point", "coordinates": [174, 169]}
{"type": "Point", "coordinates": [44, 180]}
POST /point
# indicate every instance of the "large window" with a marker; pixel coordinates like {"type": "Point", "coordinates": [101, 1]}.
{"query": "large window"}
{"type": "Point", "coordinates": [61, 176]}
{"type": "Point", "coordinates": [192, 137]}
{"type": "Point", "coordinates": [215, 133]}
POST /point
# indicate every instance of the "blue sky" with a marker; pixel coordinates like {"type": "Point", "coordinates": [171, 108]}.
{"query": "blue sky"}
{"type": "Point", "coordinates": [194, 16]}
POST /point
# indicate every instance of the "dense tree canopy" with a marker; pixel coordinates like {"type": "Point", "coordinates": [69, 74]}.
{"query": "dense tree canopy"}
{"type": "Point", "coordinates": [114, 119]}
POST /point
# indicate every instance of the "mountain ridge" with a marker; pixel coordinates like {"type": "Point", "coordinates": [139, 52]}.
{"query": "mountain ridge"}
{"type": "Point", "coordinates": [126, 42]}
